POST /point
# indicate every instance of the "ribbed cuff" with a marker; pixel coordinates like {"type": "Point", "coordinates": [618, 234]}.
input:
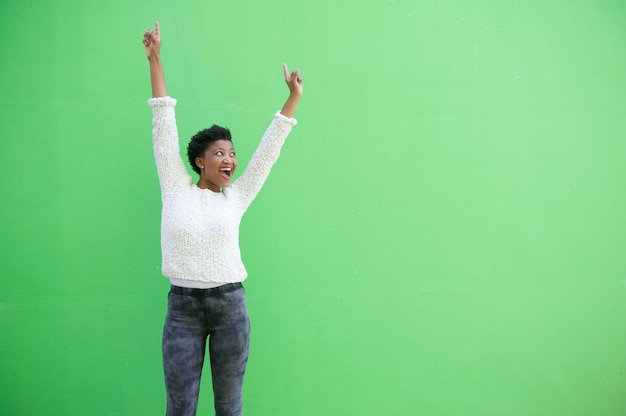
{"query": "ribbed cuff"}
{"type": "Point", "coordinates": [162, 101]}
{"type": "Point", "coordinates": [283, 117]}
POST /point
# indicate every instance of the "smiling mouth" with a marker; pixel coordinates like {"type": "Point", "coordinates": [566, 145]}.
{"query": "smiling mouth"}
{"type": "Point", "coordinates": [226, 172]}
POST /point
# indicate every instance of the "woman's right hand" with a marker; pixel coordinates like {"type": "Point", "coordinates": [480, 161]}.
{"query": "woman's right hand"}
{"type": "Point", "coordinates": [152, 41]}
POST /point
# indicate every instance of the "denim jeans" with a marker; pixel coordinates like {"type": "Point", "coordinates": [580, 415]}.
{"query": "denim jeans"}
{"type": "Point", "coordinates": [193, 315]}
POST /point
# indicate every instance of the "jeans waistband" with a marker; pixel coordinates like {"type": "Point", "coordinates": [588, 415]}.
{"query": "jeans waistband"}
{"type": "Point", "coordinates": [203, 293]}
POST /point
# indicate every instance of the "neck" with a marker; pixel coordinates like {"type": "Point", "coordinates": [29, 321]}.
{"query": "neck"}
{"type": "Point", "coordinates": [206, 185]}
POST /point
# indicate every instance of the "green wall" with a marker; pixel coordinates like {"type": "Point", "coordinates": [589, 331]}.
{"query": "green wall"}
{"type": "Point", "coordinates": [444, 234]}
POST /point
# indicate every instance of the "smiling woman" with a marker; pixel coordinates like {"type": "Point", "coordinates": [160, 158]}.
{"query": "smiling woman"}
{"type": "Point", "coordinates": [212, 156]}
{"type": "Point", "coordinates": [200, 244]}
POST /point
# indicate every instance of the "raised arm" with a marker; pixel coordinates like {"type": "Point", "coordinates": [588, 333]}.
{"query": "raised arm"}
{"type": "Point", "coordinates": [152, 42]}
{"type": "Point", "coordinates": [294, 82]}
{"type": "Point", "coordinates": [170, 166]}
{"type": "Point", "coordinates": [248, 185]}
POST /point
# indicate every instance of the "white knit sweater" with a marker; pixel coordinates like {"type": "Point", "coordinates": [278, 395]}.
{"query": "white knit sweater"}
{"type": "Point", "coordinates": [199, 227]}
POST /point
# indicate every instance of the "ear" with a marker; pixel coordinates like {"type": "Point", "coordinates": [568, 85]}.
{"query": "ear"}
{"type": "Point", "coordinates": [199, 162]}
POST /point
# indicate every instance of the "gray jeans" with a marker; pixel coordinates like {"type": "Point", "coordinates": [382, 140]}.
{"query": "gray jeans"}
{"type": "Point", "coordinates": [193, 315]}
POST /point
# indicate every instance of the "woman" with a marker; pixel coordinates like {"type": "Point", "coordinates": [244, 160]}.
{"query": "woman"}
{"type": "Point", "coordinates": [200, 244]}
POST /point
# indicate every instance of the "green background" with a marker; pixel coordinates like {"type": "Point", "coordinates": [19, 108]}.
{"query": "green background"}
{"type": "Point", "coordinates": [444, 234]}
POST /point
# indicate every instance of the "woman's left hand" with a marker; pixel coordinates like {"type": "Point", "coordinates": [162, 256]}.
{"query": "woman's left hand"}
{"type": "Point", "coordinates": [152, 42]}
{"type": "Point", "coordinates": [293, 80]}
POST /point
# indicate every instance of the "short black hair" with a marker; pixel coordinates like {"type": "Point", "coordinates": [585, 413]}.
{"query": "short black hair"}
{"type": "Point", "coordinates": [202, 140]}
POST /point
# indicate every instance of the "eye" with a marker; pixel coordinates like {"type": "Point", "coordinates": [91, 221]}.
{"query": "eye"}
{"type": "Point", "coordinates": [232, 154]}
{"type": "Point", "coordinates": [219, 153]}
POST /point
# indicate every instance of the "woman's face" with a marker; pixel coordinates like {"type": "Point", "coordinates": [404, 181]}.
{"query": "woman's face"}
{"type": "Point", "coordinates": [217, 166]}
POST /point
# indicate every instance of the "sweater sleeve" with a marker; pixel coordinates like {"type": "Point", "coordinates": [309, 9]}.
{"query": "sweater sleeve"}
{"type": "Point", "coordinates": [248, 185]}
{"type": "Point", "coordinates": [170, 167]}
